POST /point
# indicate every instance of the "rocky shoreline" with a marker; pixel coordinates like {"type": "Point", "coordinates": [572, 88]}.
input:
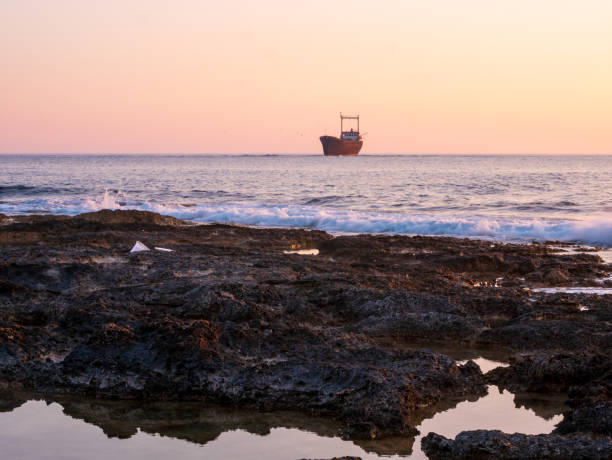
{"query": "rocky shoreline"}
{"type": "Point", "coordinates": [356, 333]}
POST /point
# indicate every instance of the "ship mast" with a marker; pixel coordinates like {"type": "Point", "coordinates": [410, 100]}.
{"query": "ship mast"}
{"type": "Point", "coordinates": [343, 117]}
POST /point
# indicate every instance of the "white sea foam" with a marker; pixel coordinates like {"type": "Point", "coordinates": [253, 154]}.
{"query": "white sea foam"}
{"type": "Point", "coordinates": [109, 200]}
{"type": "Point", "coordinates": [595, 231]}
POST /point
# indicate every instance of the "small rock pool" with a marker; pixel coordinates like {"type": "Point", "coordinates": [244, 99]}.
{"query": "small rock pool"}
{"type": "Point", "coordinates": [71, 428]}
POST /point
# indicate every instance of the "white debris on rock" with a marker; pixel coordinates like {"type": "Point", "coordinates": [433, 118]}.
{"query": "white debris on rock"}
{"type": "Point", "coordinates": [139, 247]}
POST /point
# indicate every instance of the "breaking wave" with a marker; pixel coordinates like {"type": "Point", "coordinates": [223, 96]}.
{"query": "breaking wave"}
{"type": "Point", "coordinates": [596, 230]}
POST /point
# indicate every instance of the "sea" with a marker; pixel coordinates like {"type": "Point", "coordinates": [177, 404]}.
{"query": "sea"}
{"type": "Point", "coordinates": [518, 198]}
{"type": "Point", "coordinates": [500, 197]}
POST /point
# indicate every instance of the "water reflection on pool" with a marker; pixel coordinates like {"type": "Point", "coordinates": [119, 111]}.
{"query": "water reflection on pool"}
{"type": "Point", "coordinates": [485, 364]}
{"type": "Point", "coordinates": [97, 429]}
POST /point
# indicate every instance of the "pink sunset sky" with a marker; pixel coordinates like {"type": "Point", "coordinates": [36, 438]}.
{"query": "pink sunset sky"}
{"type": "Point", "coordinates": [196, 76]}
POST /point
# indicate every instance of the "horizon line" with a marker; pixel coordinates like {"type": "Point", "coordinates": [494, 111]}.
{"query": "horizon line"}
{"type": "Point", "coordinates": [304, 153]}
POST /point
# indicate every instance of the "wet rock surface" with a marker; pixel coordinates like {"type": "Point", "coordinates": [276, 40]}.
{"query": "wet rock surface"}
{"type": "Point", "coordinates": [481, 444]}
{"type": "Point", "coordinates": [229, 318]}
{"type": "Point", "coordinates": [551, 372]}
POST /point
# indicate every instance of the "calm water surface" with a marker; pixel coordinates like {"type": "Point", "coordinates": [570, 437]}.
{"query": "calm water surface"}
{"type": "Point", "coordinates": [98, 429]}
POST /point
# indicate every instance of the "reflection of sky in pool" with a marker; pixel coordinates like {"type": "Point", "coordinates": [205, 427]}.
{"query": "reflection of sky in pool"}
{"type": "Point", "coordinates": [574, 290]}
{"type": "Point", "coordinates": [303, 252]}
{"type": "Point", "coordinates": [40, 431]}
{"type": "Point", "coordinates": [485, 364]}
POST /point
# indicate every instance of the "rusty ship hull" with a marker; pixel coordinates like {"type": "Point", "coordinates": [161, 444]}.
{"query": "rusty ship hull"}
{"type": "Point", "coordinates": [333, 146]}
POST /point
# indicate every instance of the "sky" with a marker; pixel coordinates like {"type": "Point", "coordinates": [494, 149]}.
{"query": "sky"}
{"type": "Point", "coordinates": [271, 76]}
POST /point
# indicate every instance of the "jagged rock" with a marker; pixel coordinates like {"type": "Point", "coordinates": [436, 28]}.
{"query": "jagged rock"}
{"type": "Point", "coordinates": [590, 417]}
{"type": "Point", "coordinates": [550, 372]}
{"type": "Point", "coordinates": [482, 444]}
